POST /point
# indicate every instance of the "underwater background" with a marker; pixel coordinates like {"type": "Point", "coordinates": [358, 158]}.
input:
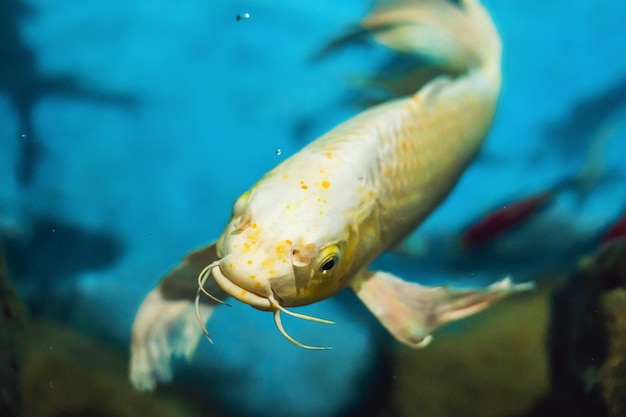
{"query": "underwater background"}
{"type": "Point", "coordinates": [128, 129]}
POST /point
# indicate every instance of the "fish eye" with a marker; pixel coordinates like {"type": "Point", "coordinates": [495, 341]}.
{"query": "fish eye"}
{"type": "Point", "coordinates": [328, 264]}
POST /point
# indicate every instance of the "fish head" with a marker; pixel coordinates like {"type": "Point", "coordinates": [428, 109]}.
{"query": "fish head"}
{"type": "Point", "coordinates": [271, 257]}
{"type": "Point", "coordinates": [293, 240]}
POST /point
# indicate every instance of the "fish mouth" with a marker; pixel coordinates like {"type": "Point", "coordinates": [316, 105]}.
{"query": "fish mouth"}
{"type": "Point", "coordinates": [239, 293]}
{"type": "Point", "coordinates": [260, 302]}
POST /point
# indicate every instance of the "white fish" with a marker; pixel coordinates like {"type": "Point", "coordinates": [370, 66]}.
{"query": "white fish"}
{"type": "Point", "coordinates": [310, 227]}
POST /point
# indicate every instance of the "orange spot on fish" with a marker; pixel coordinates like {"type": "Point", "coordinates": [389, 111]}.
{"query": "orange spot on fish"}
{"type": "Point", "coordinates": [252, 276]}
{"type": "Point", "coordinates": [249, 261]}
{"type": "Point", "coordinates": [321, 212]}
{"type": "Point", "coordinates": [243, 293]}
{"type": "Point", "coordinates": [257, 285]}
{"type": "Point", "coordinates": [285, 176]}
{"type": "Point", "coordinates": [304, 187]}
{"type": "Point", "coordinates": [325, 184]}
{"type": "Point", "coordinates": [289, 242]}
{"type": "Point", "coordinates": [254, 225]}
{"type": "Point", "coordinates": [268, 263]}
{"type": "Point", "coordinates": [287, 206]}
{"type": "Point", "coordinates": [329, 155]}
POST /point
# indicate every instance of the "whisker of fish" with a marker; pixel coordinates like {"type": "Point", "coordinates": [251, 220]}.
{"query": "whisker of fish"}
{"type": "Point", "coordinates": [201, 322]}
{"type": "Point", "coordinates": [277, 305]}
{"type": "Point", "coordinates": [280, 327]}
{"type": "Point", "coordinates": [202, 278]}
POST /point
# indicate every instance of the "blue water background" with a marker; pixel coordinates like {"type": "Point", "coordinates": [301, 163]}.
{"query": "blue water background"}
{"type": "Point", "coordinates": [214, 99]}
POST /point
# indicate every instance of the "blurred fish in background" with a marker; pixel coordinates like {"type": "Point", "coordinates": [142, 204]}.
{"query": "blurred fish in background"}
{"type": "Point", "coordinates": [615, 230]}
{"type": "Point", "coordinates": [514, 214]}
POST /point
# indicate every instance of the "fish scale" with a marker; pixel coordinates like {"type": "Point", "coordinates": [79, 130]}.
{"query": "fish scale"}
{"type": "Point", "coordinates": [424, 144]}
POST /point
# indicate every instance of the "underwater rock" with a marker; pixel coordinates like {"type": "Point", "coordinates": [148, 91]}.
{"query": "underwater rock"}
{"type": "Point", "coordinates": [588, 339]}
{"type": "Point", "coordinates": [490, 365]}
{"type": "Point", "coordinates": [67, 373]}
{"type": "Point", "coordinates": [49, 370]}
{"type": "Point", "coordinates": [11, 344]}
{"type": "Point", "coordinates": [614, 380]}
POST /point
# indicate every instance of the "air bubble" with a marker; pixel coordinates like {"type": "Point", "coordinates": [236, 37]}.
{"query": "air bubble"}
{"type": "Point", "coordinates": [279, 152]}
{"type": "Point", "coordinates": [243, 16]}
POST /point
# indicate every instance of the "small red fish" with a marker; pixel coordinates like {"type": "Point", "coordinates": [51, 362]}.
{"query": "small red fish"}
{"type": "Point", "coordinates": [615, 231]}
{"type": "Point", "coordinates": [501, 220]}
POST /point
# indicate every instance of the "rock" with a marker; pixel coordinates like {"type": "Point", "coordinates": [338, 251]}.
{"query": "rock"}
{"type": "Point", "coordinates": [587, 341]}
{"type": "Point", "coordinates": [48, 369]}
{"type": "Point", "coordinates": [613, 382]}
{"type": "Point", "coordinates": [11, 328]}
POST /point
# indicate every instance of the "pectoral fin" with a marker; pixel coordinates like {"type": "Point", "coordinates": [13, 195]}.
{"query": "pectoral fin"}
{"type": "Point", "coordinates": [181, 283]}
{"type": "Point", "coordinates": [166, 324]}
{"type": "Point", "coordinates": [411, 311]}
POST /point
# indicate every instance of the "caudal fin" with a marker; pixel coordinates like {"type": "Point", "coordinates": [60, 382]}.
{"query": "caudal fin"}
{"type": "Point", "coordinates": [459, 37]}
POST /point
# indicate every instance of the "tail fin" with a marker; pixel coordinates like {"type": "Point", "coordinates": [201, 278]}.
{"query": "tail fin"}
{"type": "Point", "coordinates": [460, 37]}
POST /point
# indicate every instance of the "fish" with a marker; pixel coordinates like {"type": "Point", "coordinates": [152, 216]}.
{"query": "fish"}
{"type": "Point", "coordinates": [310, 227]}
{"type": "Point", "coordinates": [514, 214]}
{"type": "Point", "coordinates": [614, 231]}
{"type": "Point", "coordinates": [502, 220]}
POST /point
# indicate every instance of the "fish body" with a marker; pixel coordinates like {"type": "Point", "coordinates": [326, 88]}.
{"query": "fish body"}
{"type": "Point", "coordinates": [363, 187]}
{"type": "Point", "coordinates": [514, 214]}
{"type": "Point", "coordinates": [504, 219]}
{"type": "Point", "coordinates": [312, 225]}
